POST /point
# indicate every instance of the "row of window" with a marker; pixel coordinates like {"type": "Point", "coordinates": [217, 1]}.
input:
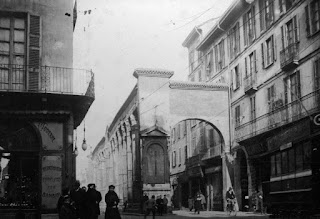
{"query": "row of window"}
{"type": "Point", "coordinates": [179, 131]}
{"type": "Point", "coordinates": [292, 160]}
{"type": "Point", "coordinates": [292, 92]}
{"type": "Point", "coordinates": [174, 157]}
{"type": "Point", "coordinates": [216, 60]}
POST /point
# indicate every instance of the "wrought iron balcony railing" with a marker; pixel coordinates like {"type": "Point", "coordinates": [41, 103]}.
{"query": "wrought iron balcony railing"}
{"type": "Point", "coordinates": [46, 79]}
{"type": "Point", "coordinates": [289, 57]}
{"type": "Point", "coordinates": [280, 115]}
{"type": "Point", "coordinates": [250, 84]}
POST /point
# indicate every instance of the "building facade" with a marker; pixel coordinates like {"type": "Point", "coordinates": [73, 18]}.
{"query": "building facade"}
{"type": "Point", "coordinates": [43, 99]}
{"type": "Point", "coordinates": [269, 53]}
{"type": "Point", "coordinates": [138, 143]}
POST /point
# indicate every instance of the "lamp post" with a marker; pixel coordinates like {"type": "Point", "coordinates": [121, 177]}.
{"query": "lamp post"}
{"type": "Point", "coordinates": [84, 143]}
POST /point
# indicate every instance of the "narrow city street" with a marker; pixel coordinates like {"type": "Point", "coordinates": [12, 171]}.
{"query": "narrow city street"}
{"type": "Point", "coordinates": [192, 215]}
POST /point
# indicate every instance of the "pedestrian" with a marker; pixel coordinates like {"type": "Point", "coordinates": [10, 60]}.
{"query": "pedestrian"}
{"type": "Point", "coordinates": [65, 206]}
{"type": "Point", "coordinates": [78, 196]}
{"type": "Point", "coordinates": [91, 202]}
{"type": "Point", "coordinates": [203, 201]}
{"type": "Point", "coordinates": [150, 206]}
{"type": "Point", "coordinates": [112, 201]}
{"type": "Point", "coordinates": [165, 204]}
{"type": "Point", "coordinates": [84, 188]}
{"type": "Point", "coordinates": [144, 199]}
{"type": "Point", "coordinates": [197, 204]}
{"type": "Point", "coordinates": [98, 200]}
{"type": "Point", "coordinates": [259, 201]}
{"type": "Point", "coordinates": [159, 203]}
{"type": "Point", "coordinates": [190, 203]}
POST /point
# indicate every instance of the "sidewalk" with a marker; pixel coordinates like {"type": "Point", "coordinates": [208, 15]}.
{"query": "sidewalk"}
{"type": "Point", "coordinates": [213, 214]}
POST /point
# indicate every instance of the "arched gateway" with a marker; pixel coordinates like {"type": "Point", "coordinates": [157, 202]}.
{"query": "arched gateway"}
{"type": "Point", "coordinates": [140, 136]}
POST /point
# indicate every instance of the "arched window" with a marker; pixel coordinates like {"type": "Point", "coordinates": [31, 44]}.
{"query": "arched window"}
{"type": "Point", "coordinates": [155, 169]}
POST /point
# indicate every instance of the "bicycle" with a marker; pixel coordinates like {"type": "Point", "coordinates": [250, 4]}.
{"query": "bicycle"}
{"type": "Point", "coordinates": [231, 206]}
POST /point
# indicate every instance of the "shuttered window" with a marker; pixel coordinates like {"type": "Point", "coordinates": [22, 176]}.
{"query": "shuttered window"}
{"type": "Point", "coordinates": [19, 61]}
{"type": "Point", "coordinates": [234, 41]}
{"type": "Point", "coordinates": [268, 52]}
{"type": "Point", "coordinates": [249, 26]}
{"type": "Point", "coordinates": [312, 12]}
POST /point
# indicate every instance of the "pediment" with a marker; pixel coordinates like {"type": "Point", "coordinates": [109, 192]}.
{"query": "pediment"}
{"type": "Point", "coordinates": [154, 131]}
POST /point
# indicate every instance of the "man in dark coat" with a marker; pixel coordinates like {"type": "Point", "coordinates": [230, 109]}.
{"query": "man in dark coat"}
{"type": "Point", "coordinates": [99, 198]}
{"type": "Point", "coordinates": [91, 202]}
{"type": "Point", "coordinates": [78, 196]}
{"type": "Point", "coordinates": [112, 201]}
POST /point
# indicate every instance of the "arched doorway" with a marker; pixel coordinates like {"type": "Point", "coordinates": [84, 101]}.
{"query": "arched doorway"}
{"type": "Point", "coordinates": [19, 166]}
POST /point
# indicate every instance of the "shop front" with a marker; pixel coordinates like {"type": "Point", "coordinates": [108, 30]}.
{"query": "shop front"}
{"type": "Point", "coordinates": [32, 173]}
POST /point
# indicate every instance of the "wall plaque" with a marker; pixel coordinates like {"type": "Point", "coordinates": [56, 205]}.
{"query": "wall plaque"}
{"type": "Point", "coordinates": [51, 181]}
{"type": "Point", "coordinates": [51, 135]}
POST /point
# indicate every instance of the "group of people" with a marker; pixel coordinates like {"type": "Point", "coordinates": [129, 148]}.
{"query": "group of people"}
{"type": "Point", "coordinates": [82, 203]}
{"type": "Point", "coordinates": [153, 205]}
{"type": "Point", "coordinates": [197, 203]}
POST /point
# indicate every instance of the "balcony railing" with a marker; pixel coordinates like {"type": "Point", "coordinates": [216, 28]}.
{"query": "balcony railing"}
{"type": "Point", "coordinates": [46, 79]}
{"type": "Point", "coordinates": [212, 152]}
{"type": "Point", "coordinates": [289, 57]}
{"type": "Point", "coordinates": [250, 83]}
{"type": "Point", "coordinates": [281, 115]}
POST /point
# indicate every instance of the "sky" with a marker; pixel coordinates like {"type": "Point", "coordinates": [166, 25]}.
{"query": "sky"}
{"type": "Point", "coordinates": [117, 36]}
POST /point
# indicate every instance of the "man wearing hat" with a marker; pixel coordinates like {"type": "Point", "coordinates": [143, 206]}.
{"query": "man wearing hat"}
{"type": "Point", "coordinates": [112, 201]}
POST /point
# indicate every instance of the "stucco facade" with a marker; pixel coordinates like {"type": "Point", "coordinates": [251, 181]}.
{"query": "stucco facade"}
{"type": "Point", "coordinates": [271, 56]}
{"type": "Point", "coordinates": [41, 105]}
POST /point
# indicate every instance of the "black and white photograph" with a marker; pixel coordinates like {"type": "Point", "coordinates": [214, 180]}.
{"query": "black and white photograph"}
{"type": "Point", "coordinates": [173, 109]}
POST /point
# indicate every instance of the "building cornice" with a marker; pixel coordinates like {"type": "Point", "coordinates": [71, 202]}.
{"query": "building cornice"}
{"type": "Point", "coordinates": [150, 72]}
{"type": "Point", "coordinates": [184, 85]}
{"type": "Point", "coordinates": [191, 36]}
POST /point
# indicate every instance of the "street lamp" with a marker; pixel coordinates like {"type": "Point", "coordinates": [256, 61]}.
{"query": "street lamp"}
{"type": "Point", "coordinates": [84, 143]}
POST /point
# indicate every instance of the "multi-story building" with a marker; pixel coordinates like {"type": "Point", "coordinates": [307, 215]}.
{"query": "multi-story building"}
{"type": "Point", "coordinates": [43, 99]}
{"type": "Point", "coordinates": [268, 50]}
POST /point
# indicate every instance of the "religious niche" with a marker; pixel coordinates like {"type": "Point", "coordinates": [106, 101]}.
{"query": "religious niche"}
{"type": "Point", "coordinates": [155, 164]}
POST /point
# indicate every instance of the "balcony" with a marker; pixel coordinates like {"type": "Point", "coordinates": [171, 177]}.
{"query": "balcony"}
{"type": "Point", "coordinates": [250, 84]}
{"type": "Point", "coordinates": [279, 115]}
{"type": "Point", "coordinates": [212, 152]}
{"type": "Point", "coordinates": [46, 79]}
{"type": "Point", "coordinates": [289, 57]}
{"type": "Point", "coordinates": [194, 161]}
{"type": "Point", "coordinates": [55, 88]}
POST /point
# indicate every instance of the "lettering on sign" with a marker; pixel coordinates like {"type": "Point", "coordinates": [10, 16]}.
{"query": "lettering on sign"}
{"type": "Point", "coordinates": [51, 135]}
{"type": "Point", "coordinates": [51, 180]}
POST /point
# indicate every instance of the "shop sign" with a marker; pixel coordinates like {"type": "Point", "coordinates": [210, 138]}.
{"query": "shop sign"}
{"type": "Point", "coordinates": [51, 135]}
{"type": "Point", "coordinates": [51, 180]}
{"type": "Point", "coordinates": [316, 120]}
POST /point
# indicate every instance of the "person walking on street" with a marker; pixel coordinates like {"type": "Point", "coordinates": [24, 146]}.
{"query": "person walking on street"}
{"type": "Point", "coordinates": [98, 200]}
{"type": "Point", "coordinates": [78, 196]}
{"type": "Point", "coordinates": [144, 199]}
{"type": "Point", "coordinates": [203, 201]}
{"type": "Point", "coordinates": [65, 206]}
{"type": "Point", "coordinates": [150, 206]}
{"type": "Point", "coordinates": [197, 204]}
{"type": "Point", "coordinates": [159, 203]}
{"type": "Point", "coordinates": [112, 201]}
{"type": "Point", "coordinates": [165, 204]}
{"type": "Point", "coordinates": [91, 202]}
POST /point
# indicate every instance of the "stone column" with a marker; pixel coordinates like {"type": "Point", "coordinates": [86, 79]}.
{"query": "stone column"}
{"type": "Point", "coordinates": [124, 164]}
{"type": "Point", "coordinates": [136, 164]}
{"type": "Point", "coordinates": [129, 159]}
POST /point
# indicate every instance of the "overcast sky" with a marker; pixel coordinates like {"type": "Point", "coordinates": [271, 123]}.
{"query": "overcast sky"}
{"type": "Point", "coordinates": [118, 36]}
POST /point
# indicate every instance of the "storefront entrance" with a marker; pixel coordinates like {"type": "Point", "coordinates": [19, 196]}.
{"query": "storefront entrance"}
{"type": "Point", "coordinates": [19, 170]}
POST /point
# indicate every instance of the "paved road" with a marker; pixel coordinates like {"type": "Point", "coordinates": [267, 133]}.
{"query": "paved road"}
{"type": "Point", "coordinates": [189, 215]}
